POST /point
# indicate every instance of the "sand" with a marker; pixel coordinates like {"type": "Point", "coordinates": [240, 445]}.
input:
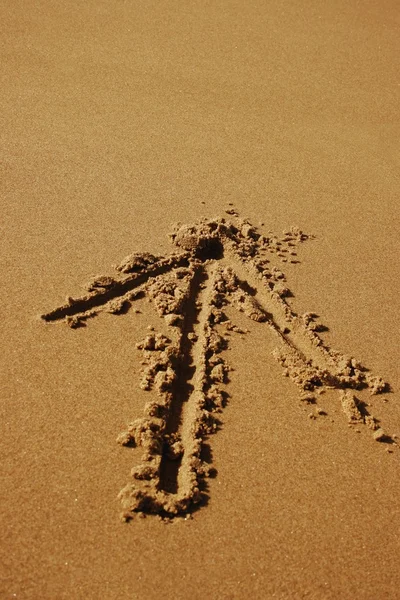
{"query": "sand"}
{"type": "Point", "coordinates": [216, 415]}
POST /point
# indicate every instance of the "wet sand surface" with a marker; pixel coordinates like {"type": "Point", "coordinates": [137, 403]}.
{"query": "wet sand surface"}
{"type": "Point", "coordinates": [120, 119]}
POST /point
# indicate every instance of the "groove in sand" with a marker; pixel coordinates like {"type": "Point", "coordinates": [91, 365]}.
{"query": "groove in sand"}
{"type": "Point", "coordinates": [189, 392]}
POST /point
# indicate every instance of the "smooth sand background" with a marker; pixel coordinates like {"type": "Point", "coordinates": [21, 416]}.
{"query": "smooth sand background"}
{"type": "Point", "coordinates": [119, 118]}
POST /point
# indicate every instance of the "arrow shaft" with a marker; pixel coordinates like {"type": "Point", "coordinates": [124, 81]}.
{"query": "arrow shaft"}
{"type": "Point", "coordinates": [184, 422]}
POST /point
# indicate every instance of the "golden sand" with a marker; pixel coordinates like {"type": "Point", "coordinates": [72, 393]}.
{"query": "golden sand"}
{"type": "Point", "coordinates": [247, 364]}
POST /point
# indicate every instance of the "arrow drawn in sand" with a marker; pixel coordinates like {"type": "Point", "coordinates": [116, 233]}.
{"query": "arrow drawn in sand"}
{"type": "Point", "coordinates": [216, 263]}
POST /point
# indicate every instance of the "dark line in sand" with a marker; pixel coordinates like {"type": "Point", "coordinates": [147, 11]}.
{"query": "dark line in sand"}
{"type": "Point", "coordinates": [118, 288]}
{"type": "Point", "coordinates": [280, 316]}
{"type": "Point", "coordinates": [183, 386]}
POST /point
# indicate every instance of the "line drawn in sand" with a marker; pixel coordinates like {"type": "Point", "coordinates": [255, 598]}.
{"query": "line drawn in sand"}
{"type": "Point", "coordinates": [216, 263]}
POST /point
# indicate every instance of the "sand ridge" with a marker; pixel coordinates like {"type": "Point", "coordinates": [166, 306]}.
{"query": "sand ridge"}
{"type": "Point", "coordinates": [217, 263]}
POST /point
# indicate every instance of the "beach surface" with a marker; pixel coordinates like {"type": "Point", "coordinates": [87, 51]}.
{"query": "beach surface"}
{"type": "Point", "coordinates": [272, 128]}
